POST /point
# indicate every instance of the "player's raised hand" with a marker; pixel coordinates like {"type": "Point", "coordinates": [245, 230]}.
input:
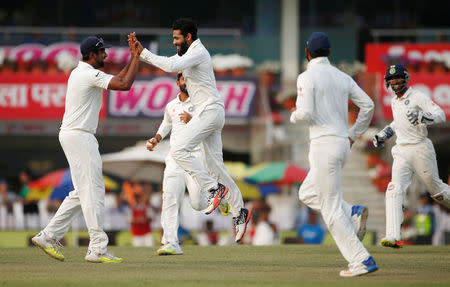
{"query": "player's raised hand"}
{"type": "Point", "coordinates": [133, 41]}
{"type": "Point", "coordinates": [134, 47]}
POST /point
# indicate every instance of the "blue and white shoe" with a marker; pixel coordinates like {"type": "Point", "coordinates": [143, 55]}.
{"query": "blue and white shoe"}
{"type": "Point", "coordinates": [366, 266]}
{"type": "Point", "coordinates": [359, 220]}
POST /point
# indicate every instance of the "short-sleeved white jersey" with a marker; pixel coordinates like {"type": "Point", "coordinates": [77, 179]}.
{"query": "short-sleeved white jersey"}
{"type": "Point", "coordinates": [84, 98]}
{"type": "Point", "coordinates": [413, 99]}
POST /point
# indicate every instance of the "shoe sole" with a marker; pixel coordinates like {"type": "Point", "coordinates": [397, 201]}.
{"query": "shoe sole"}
{"type": "Point", "coordinates": [373, 269]}
{"type": "Point", "coordinates": [42, 248]}
{"type": "Point", "coordinates": [362, 227]}
{"type": "Point", "coordinates": [387, 243]}
{"type": "Point", "coordinates": [106, 262]}
{"type": "Point", "coordinates": [245, 226]}
{"type": "Point", "coordinates": [217, 202]}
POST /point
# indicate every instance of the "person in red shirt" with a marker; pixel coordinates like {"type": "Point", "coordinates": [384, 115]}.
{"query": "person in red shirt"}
{"type": "Point", "coordinates": [140, 221]}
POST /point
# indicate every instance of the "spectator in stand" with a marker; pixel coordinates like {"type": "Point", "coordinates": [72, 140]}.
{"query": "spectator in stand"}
{"type": "Point", "coordinates": [312, 232]}
{"type": "Point", "coordinates": [208, 236]}
{"type": "Point", "coordinates": [140, 221]}
{"type": "Point", "coordinates": [30, 207]}
{"type": "Point", "coordinates": [7, 199]}
{"type": "Point", "coordinates": [265, 233]}
{"type": "Point", "coordinates": [423, 221]}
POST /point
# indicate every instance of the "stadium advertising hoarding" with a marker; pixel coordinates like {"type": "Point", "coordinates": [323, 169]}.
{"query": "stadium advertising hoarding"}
{"type": "Point", "coordinates": [435, 85]}
{"type": "Point", "coordinates": [147, 98]}
{"type": "Point", "coordinates": [42, 97]}
{"type": "Point", "coordinates": [33, 97]}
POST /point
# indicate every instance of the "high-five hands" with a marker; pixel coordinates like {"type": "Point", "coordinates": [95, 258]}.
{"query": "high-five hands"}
{"type": "Point", "coordinates": [134, 44]}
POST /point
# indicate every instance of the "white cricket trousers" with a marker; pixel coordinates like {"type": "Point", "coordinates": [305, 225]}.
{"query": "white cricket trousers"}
{"type": "Point", "coordinates": [322, 191]}
{"type": "Point", "coordinates": [88, 196]}
{"type": "Point", "coordinates": [409, 158]}
{"type": "Point", "coordinates": [206, 128]}
{"type": "Point", "coordinates": [175, 182]}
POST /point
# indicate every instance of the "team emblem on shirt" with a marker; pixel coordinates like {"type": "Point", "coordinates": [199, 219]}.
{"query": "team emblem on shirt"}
{"type": "Point", "coordinates": [392, 70]}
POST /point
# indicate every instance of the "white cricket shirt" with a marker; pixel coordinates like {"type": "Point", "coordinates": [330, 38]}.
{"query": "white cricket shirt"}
{"type": "Point", "coordinates": [413, 99]}
{"type": "Point", "coordinates": [171, 121]}
{"type": "Point", "coordinates": [323, 92]}
{"type": "Point", "coordinates": [197, 72]}
{"type": "Point", "coordinates": [84, 98]}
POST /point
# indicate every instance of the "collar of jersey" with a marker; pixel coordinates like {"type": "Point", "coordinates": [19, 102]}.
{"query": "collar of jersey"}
{"type": "Point", "coordinates": [193, 45]}
{"type": "Point", "coordinates": [318, 60]}
{"type": "Point", "coordinates": [405, 95]}
{"type": "Point", "coordinates": [85, 65]}
{"type": "Point", "coordinates": [179, 101]}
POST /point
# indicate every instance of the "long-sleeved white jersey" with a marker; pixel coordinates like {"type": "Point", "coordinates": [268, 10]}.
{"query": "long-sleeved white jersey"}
{"type": "Point", "coordinates": [197, 72]}
{"type": "Point", "coordinates": [323, 92]}
{"type": "Point", "coordinates": [413, 99]}
{"type": "Point", "coordinates": [171, 122]}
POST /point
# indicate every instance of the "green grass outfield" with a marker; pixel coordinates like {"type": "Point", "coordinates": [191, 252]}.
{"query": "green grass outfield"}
{"type": "Point", "coordinates": [231, 266]}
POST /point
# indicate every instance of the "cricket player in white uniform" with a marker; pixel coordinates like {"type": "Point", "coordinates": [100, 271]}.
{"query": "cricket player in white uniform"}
{"type": "Point", "coordinates": [413, 152]}
{"type": "Point", "coordinates": [322, 100]}
{"type": "Point", "coordinates": [176, 115]}
{"type": "Point", "coordinates": [206, 124]}
{"type": "Point", "coordinates": [77, 137]}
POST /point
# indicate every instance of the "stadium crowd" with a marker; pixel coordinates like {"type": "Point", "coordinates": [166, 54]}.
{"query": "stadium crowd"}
{"type": "Point", "coordinates": [277, 218]}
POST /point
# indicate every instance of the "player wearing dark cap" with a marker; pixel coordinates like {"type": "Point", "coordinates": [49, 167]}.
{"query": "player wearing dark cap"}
{"type": "Point", "coordinates": [77, 137]}
{"type": "Point", "coordinates": [322, 100]}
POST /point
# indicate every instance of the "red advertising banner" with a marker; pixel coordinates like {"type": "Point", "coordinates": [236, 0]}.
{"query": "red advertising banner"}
{"type": "Point", "coordinates": [42, 97]}
{"type": "Point", "coordinates": [26, 97]}
{"type": "Point", "coordinates": [148, 98]}
{"type": "Point", "coordinates": [435, 86]}
{"type": "Point", "coordinates": [379, 56]}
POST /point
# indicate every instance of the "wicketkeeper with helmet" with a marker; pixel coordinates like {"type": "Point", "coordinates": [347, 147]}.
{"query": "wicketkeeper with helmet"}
{"type": "Point", "coordinates": [413, 152]}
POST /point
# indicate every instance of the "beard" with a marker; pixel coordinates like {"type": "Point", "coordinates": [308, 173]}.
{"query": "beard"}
{"type": "Point", "coordinates": [183, 89]}
{"type": "Point", "coordinates": [183, 49]}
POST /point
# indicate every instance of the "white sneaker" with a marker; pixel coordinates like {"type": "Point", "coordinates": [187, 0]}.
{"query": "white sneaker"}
{"type": "Point", "coordinates": [215, 197]}
{"type": "Point", "coordinates": [107, 257]}
{"type": "Point", "coordinates": [367, 266]}
{"type": "Point", "coordinates": [359, 220]}
{"type": "Point", "coordinates": [170, 249]}
{"type": "Point", "coordinates": [51, 247]}
{"type": "Point", "coordinates": [240, 222]}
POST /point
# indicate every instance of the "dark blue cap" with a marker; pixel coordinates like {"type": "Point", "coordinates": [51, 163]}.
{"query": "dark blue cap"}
{"type": "Point", "coordinates": [92, 44]}
{"type": "Point", "coordinates": [318, 42]}
{"type": "Point", "coordinates": [395, 71]}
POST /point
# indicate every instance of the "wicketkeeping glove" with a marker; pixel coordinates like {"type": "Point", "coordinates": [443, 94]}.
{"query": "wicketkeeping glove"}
{"type": "Point", "coordinates": [380, 138]}
{"type": "Point", "coordinates": [416, 117]}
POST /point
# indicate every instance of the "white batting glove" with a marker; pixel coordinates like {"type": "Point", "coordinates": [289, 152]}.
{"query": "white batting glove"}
{"type": "Point", "coordinates": [380, 138]}
{"type": "Point", "coordinates": [416, 117]}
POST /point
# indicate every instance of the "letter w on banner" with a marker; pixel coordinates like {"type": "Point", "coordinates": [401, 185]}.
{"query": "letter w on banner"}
{"type": "Point", "coordinates": [148, 98]}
